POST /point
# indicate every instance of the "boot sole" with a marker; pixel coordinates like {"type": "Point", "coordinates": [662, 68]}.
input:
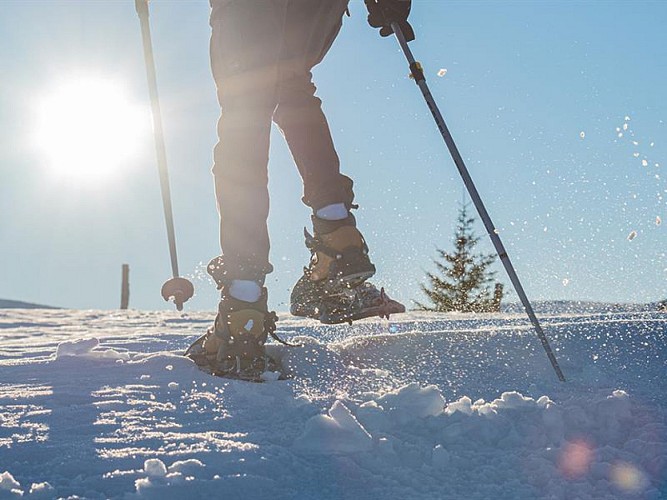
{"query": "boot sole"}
{"type": "Point", "coordinates": [383, 311]}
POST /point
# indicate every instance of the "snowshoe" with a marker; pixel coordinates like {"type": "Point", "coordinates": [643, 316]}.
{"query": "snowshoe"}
{"type": "Point", "coordinates": [332, 304]}
{"type": "Point", "coordinates": [258, 370]}
{"type": "Point", "coordinates": [234, 346]}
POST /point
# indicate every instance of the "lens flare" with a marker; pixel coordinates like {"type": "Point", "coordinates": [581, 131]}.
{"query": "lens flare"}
{"type": "Point", "coordinates": [575, 459]}
{"type": "Point", "coordinates": [627, 477]}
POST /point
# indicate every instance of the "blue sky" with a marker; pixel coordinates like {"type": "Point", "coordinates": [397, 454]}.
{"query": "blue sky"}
{"type": "Point", "coordinates": [524, 80]}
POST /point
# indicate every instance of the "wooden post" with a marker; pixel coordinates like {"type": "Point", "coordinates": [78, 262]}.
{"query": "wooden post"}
{"type": "Point", "coordinates": [497, 297]}
{"type": "Point", "coordinates": [125, 288]}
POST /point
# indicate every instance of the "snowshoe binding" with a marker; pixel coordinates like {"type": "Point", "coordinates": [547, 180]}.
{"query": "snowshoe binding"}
{"type": "Point", "coordinates": [234, 346]}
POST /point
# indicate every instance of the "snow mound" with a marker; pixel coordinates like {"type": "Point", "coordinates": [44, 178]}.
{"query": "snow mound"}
{"type": "Point", "coordinates": [41, 490]}
{"type": "Point", "coordinates": [154, 467]}
{"type": "Point", "coordinates": [88, 348]}
{"type": "Point", "coordinates": [337, 432]}
{"type": "Point", "coordinates": [187, 467]}
{"type": "Point", "coordinates": [412, 402]}
{"type": "Point", "coordinates": [9, 487]}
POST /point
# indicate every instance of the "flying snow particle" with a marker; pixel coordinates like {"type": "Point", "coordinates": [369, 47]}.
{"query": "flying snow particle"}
{"type": "Point", "coordinates": [635, 143]}
{"type": "Point", "coordinates": [442, 72]}
{"type": "Point", "coordinates": [636, 155]}
{"type": "Point", "coordinates": [632, 235]}
{"type": "Point", "coordinates": [582, 134]}
{"type": "Point", "coordinates": [658, 221]}
{"type": "Point", "coordinates": [625, 126]}
{"type": "Point", "coordinates": [566, 281]}
{"type": "Point", "coordinates": [620, 134]}
{"type": "Point", "coordinates": [627, 118]}
{"type": "Point", "coordinates": [652, 144]}
{"type": "Point", "coordinates": [644, 163]}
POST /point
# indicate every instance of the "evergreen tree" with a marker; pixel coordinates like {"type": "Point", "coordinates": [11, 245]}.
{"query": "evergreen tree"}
{"type": "Point", "coordinates": [464, 282]}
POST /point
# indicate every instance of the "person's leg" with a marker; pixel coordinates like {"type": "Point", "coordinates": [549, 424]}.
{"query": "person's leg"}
{"type": "Point", "coordinates": [243, 59]}
{"type": "Point", "coordinates": [311, 27]}
{"type": "Point", "coordinates": [244, 54]}
{"type": "Point", "coordinates": [338, 249]}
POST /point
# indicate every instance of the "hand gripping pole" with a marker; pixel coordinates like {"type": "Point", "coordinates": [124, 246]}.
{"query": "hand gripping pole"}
{"type": "Point", "coordinates": [418, 75]}
{"type": "Point", "coordinates": [178, 289]}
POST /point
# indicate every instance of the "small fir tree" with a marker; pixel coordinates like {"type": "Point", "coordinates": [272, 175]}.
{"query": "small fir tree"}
{"type": "Point", "coordinates": [464, 282]}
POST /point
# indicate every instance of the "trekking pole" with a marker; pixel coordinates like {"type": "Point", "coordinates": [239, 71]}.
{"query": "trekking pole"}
{"type": "Point", "coordinates": [418, 75]}
{"type": "Point", "coordinates": [177, 289]}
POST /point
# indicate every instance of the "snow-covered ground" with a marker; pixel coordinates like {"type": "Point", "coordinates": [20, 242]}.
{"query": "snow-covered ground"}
{"type": "Point", "coordinates": [99, 404]}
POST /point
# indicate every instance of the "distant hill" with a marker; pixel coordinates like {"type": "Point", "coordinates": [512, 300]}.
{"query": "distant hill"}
{"type": "Point", "coordinates": [17, 304]}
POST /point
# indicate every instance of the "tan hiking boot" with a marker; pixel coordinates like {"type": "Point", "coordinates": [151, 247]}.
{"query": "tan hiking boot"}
{"type": "Point", "coordinates": [340, 255]}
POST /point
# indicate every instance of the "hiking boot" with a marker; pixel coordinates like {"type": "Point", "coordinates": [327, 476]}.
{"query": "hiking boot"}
{"type": "Point", "coordinates": [235, 343]}
{"type": "Point", "coordinates": [339, 253]}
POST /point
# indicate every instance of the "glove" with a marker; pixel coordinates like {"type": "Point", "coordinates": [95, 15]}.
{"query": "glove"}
{"type": "Point", "coordinates": [381, 13]}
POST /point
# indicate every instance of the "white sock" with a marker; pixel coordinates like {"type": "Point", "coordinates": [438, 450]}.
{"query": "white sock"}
{"type": "Point", "coordinates": [245, 290]}
{"type": "Point", "coordinates": [337, 211]}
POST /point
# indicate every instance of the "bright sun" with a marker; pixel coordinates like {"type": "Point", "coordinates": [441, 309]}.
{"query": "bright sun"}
{"type": "Point", "coordinates": [88, 129]}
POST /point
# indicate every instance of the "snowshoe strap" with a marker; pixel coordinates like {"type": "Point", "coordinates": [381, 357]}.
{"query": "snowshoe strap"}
{"type": "Point", "coordinates": [324, 226]}
{"type": "Point", "coordinates": [314, 244]}
{"type": "Point", "coordinates": [270, 327]}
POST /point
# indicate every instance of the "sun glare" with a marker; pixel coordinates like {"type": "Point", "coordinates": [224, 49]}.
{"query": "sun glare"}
{"type": "Point", "coordinates": [88, 129]}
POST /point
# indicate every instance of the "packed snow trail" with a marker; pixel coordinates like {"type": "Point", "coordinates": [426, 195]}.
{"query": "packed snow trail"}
{"type": "Point", "coordinates": [99, 404]}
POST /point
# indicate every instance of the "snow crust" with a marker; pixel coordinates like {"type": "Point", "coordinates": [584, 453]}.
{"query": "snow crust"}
{"type": "Point", "coordinates": [101, 404]}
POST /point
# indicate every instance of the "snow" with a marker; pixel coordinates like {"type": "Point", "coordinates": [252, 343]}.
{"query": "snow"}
{"type": "Point", "coordinates": [100, 404]}
{"type": "Point", "coordinates": [7, 482]}
{"type": "Point", "coordinates": [337, 432]}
